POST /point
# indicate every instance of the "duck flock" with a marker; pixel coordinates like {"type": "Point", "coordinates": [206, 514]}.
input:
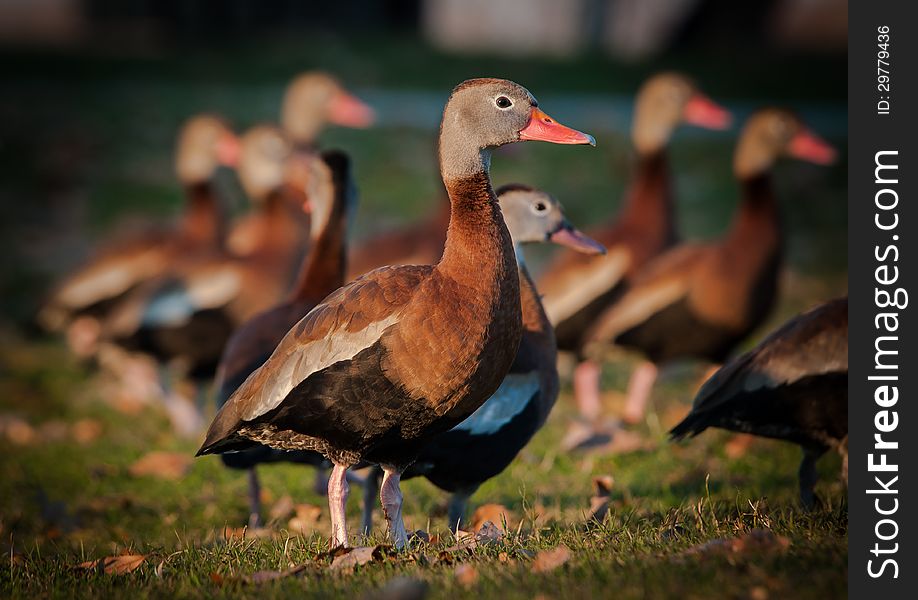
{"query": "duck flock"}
{"type": "Point", "coordinates": [431, 350]}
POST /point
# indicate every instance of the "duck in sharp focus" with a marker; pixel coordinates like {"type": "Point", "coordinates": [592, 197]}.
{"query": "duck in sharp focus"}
{"type": "Point", "coordinates": [84, 298]}
{"type": "Point", "coordinates": [483, 445]}
{"type": "Point", "coordinates": [332, 201]}
{"type": "Point", "coordinates": [578, 288]}
{"type": "Point", "coordinates": [404, 353]}
{"type": "Point", "coordinates": [793, 386]}
{"type": "Point", "coordinates": [700, 300]}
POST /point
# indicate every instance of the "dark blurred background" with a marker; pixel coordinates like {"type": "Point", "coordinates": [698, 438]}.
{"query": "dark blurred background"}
{"type": "Point", "coordinates": [94, 91]}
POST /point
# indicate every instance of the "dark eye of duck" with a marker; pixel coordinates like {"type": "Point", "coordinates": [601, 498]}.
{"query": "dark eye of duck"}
{"type": "Point", "coordinates": [503, 102]}
{"type": "Point", "coordinates": [539, 207]}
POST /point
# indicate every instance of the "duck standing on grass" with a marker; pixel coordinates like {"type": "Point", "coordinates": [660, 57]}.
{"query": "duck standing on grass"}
{"type": "Point", "coordinates": [793, 386]}
{"type": "Point", "coordinates": [579, 288]}
{"type": "Point", "coordinates": [402, 354]}
{"type": "Point", "coordinates": [483, 445]}
{"type": "Point", "coordinates": [700, 300]}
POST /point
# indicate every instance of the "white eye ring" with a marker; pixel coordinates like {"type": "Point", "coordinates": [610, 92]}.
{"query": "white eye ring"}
{"type": "Point", "coordinates": [503, 102]}
{"type": "Point", "coordinates": [539, 208]}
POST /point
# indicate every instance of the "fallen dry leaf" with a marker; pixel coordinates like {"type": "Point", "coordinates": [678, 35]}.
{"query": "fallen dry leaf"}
{"type": "Point", "coordinates": [86, 431]}
{"type": "Point", "coordinates": [16, 430]}
{"type": "Point", "coordinates": [549, 560]}
{"type": "Point", "coordinates": [114, 565]}
{"type": "Point", "coordinates": [305, 519]}
{"type": "Point", "coordinates": [242, 533]}
{"type": "Point", "coordinates": [488, 533]}
{"type": "Point", "coordinates": [360, 556]}
{"type": "Point", "coordinates": [466, 575]}
{"type": "Point", "coordinates": [495, 513]}
{"type": "Point", "coordinates": [163, 465]}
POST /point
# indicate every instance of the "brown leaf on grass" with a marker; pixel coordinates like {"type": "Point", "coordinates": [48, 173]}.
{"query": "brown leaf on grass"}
{"type": "Point", "coordinates": [495, 513]}
{"type": "Point", "coordinates": [756, 540]}
{"type": "Point", "coordinates": [305, 519]}
{"type": "Point", "coordinates": [356, 557]}
{"type": "Point", "coordinates": [163, 465]}
{"type": "Point", "coordinates": [549, 560]}
{"type": "Point", "coordinates": [602, 493]}
{"type": "Point", "coordinates": [487, 534]}
{"type": "Point", "coordinates": [86, 431]}
{"type": "Point", "coordinates": [466, 575]}
{"type": "Point", "coordinates": [16, 430]}
{"type": "Point", "coordinates": [282, 509]}
{"type": "Point", "coordinates": [114, 565]}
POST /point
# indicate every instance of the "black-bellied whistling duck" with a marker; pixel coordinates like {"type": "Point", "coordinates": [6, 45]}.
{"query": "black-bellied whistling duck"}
{"type": "Point", "coordinates": [793, 386]}
{"type": "Point", "coordinates": [311, 101]}
{"type": "Point", "coordinates": [403, 353]}
{"type": "Point", "coordinates": [700, 300]}
{"type": "Point", "coordinates": [204, 144]}
{"type": "Point", "coordinates": [418, 243]}
{"type": "Point", "coordinates": [187, 316]}
{"type": "Point", "coordinates": [314, 99]}
{"type": "Point", "coordinates": [483, 445]}
{"type": "Point", "coordinates": [332, 200]}
{"type": "Point", "coordinates": [578, 288]}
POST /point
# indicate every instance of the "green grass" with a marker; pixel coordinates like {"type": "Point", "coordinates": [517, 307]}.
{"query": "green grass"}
{"type": "Point", "coordinates": [64, 503]}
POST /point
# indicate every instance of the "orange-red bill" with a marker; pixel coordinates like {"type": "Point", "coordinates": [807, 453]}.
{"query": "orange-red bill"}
{"type": "Point", "coordinates": [543, 128]}
{"type": "Point", "coordinates": [807, 145]}
{"type": "Point", "coordinates": [229, 149]}
{"type": "Point", "coordinates": [704, 112]}
{"type": "Point", "coordinates": [575, 239]}
{"type": "Point", "coordinates": [349, 111]}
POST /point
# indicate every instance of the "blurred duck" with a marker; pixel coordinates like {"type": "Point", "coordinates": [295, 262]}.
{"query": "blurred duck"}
{"type": "Point", "coordinates": [793, 386]}
{"type": "Point", "coordinates": [483, 445]}
{"type": "Point", "coordinates": [578, 288]}
{"type": "Point", "coordinates": [418, 243]}
{"type": "Point", "coordinates": [187, 316]}
{"type": "Point", "coordinates": [311, 101]}
{"type": "Point", "coordinates": [87, 295]}
{"type": "Point", "coordinates": [332, 202]}
{"type": "Point", "coordinates": [699, 300]}
{"type": "Point", "coordinates": [403, 354]}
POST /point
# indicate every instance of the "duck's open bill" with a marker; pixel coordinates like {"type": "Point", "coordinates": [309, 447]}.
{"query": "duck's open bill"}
{"type": "Point", "coordinates": [349, 111]}
{"type": "Point", "coordinates": [568, 235]}
{"type": "Point", "coordinates": [704, 112]}
{"type": "Point", "coordinates": [807, 145]}
{"type": "Point", "coordinates": [543, 128]}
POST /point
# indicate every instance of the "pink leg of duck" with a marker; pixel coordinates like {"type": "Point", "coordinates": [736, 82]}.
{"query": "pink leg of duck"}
{"type": "Point", "coordinates": [390, 495]}
{"type": "Point", "coordinates": [639, 387]}
{"type": "Point", "coordinates": [586, 389]}
{"type": "Point", "coordinates": [337, 503]}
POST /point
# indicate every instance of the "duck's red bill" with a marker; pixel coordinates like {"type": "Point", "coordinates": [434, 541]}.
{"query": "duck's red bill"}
{"type": "Point", "coordinates": [807, 145]}
{"type": "Point", "coordinates": [543, 128]}
{"type": "Point", "coordinates": [229, 149]}
{"type": "Point", "coordinates": [349, 111]}
{"type": "Point", "coordinates": [576, 240]}
{"type": "Point", "coordinates": [701, 111]}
